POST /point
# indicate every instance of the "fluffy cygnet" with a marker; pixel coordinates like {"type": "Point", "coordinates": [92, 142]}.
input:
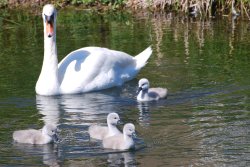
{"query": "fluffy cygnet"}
{"type": "Point", "coordinates": [101, 132]}
{"type": "Point", "coordinates": [32, 136]}
{"type": "Point", "coordinates": [149, 94]}
{"type": "Point", "coordinates": [121, 141]}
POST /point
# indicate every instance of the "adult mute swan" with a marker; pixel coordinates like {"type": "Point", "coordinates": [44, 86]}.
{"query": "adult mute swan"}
{"type": "Point", "coordinates": [149, 94]}
{"type": "Point", "coordinates": [83, 70]}
{"type": "Point", "coordinates": [101, 132]}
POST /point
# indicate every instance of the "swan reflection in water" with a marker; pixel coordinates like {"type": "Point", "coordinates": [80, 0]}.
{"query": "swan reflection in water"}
{"type": "Point", "coordinates": [124, 159]}
{"type": "Point", "coordinates": [75, 109]}
{"type": "Point", "coordinates": [49, 152]}
{"type": "Point", "coordinates": [144, 113]}
{"type": "Point", "coordinates": [74, 114]}
{"type": "Point", "coordinates": [49, 106]}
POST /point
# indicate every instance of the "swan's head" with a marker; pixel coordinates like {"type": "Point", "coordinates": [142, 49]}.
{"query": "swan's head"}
{"type": "Point", "coordinates": [113, 119]}
{"type": "Point", "coordinates": [49, 20]}
{"type": "Point", "coordinates": [50, 130]}
{"type": "Point", "coordinates": [143, 84]}
{"type": "Point", "coordinates": [129, 130]}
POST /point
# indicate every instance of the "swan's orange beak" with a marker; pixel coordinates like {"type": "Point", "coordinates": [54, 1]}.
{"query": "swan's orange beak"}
{"type": "Point", "coordinates": [49, 28]}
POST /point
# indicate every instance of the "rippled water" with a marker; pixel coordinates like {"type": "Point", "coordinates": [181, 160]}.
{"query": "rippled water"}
{"type": "Point", "coordinates": [205, 121]}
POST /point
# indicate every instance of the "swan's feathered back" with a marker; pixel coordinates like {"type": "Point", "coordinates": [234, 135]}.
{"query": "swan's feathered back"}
{"type": "Point", "coordinates": [94, 68]}
{"type": "Point", "coordinates": [101, 132]}
{"type": "Point", "coordinates": [121, 141]}
{"type": "Point", "coordinates": [33, 136]}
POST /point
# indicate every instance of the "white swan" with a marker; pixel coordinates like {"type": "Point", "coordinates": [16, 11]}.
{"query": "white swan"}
{"type": "Point", "coordinates": [149, 94]}
{"type": "Point", "coordinates": [86, 69]}
{"type": "Point", "coordinates": [101, 132]}
{"type": "Point", "coordinates": [32, 136]}
{"type": "Point", "coordinates": [122, 141]}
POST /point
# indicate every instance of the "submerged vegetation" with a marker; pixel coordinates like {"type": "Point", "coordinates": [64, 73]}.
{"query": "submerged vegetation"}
{"type": "Point", "coordinates": [202, 8]}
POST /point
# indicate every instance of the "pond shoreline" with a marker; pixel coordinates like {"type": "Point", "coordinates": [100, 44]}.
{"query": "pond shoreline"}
{"type": "Point", "coordinates": [195, 8]}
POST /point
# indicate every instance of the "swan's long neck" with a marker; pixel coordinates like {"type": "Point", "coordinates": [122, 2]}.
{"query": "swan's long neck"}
{"type": "Point", "coordinates": [50, 55]}
{"type": "Point", "coordinates": [47, 83]}
{"type": "Point", "coordinates": [127, 138]}
{"type": "Point", "coordinates": [143, 94]}
{"type": "Point", "coordinates": [112, 129]}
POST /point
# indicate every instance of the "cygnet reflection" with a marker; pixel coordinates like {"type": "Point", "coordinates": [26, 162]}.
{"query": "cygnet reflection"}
{"type": "Point", "coordinates": [144, 114]}
{"type": "Point", "coordinates": [122, 159]}
{"type": "Point", "coordinates": [48, 152]}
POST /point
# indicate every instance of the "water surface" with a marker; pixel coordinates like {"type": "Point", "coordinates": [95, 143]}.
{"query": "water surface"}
{"type": "Point", "coordinates": [205, 121]}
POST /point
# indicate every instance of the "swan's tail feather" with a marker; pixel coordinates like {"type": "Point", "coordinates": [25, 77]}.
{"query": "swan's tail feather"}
{"type": "Point", "coordinates": [141, 58]}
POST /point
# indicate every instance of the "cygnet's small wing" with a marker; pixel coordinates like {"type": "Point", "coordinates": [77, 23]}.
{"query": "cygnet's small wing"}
{"type": "Point", "coordinates": [114, 142]}
{"type": "Point", "coordinates": [26, 136]}
{"type": "Point", "coordinates": [162, 92]}
{"type": "Point", "coordinates": [98, 132]}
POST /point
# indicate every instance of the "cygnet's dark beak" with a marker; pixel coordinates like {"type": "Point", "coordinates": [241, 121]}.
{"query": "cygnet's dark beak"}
{"type": "Point", "coordinates": [119, 122]}
{"type": "Point", "coordinates": [134, 135]}
{"type": "Point", "coordinates": [138, 90]}
{"type": "Point", "coordinates": [55, 138]}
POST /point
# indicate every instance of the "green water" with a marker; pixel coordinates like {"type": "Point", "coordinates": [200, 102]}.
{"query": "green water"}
{"type": "Point", "coordinates": [205, 121]}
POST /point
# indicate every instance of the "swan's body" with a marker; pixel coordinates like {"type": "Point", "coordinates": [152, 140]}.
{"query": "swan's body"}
{"type": "Point", "coordinates": [32, 136]}
{"type": "Point", "coordinates": [86, 69]}
{"type": "Point", "coordinates": [121, 141]}
{"type": "Point", "coordinates": [150, 94]}
{"type": "Point", "coordinates": [101, 132]}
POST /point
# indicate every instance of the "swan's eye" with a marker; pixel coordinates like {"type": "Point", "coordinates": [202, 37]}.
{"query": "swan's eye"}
{"type": "Point", "coordinates": [49, 19]}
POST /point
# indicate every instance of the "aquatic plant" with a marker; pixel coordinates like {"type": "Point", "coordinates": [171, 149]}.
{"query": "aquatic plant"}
{"type": "Point", "coordinates": [202, 7]}
{"type": "Point", "coordinates": [3, 3]}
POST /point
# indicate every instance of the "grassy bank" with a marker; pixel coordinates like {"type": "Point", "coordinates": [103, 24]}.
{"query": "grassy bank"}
{"type": "Point", "coordinates": [191, 7]}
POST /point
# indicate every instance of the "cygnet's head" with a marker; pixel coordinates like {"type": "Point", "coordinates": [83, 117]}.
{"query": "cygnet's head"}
{"type": "Point", "coordinates": [50, 130]}
{"type": "Point", "coordinates": [129, 130]}
{"type": "Point", "coordinates": [113, 119]}
{"type": "Point", "coordinates": [143, 84]}
{"type": "Point", "coordinates": [49, 20]}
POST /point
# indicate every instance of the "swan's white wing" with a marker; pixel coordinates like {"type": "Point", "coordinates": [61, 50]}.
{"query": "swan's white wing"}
{"type": "Point", "coordinates": [26, 136]}
{"type": "Point", "coordinates": [162, 92]}
{"type": "Point", "coordinates": [98, 132]}
{"type": "Point", "coordinates": [94, 68]}
{"type": "Point", "coordinates": [113, 142]}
